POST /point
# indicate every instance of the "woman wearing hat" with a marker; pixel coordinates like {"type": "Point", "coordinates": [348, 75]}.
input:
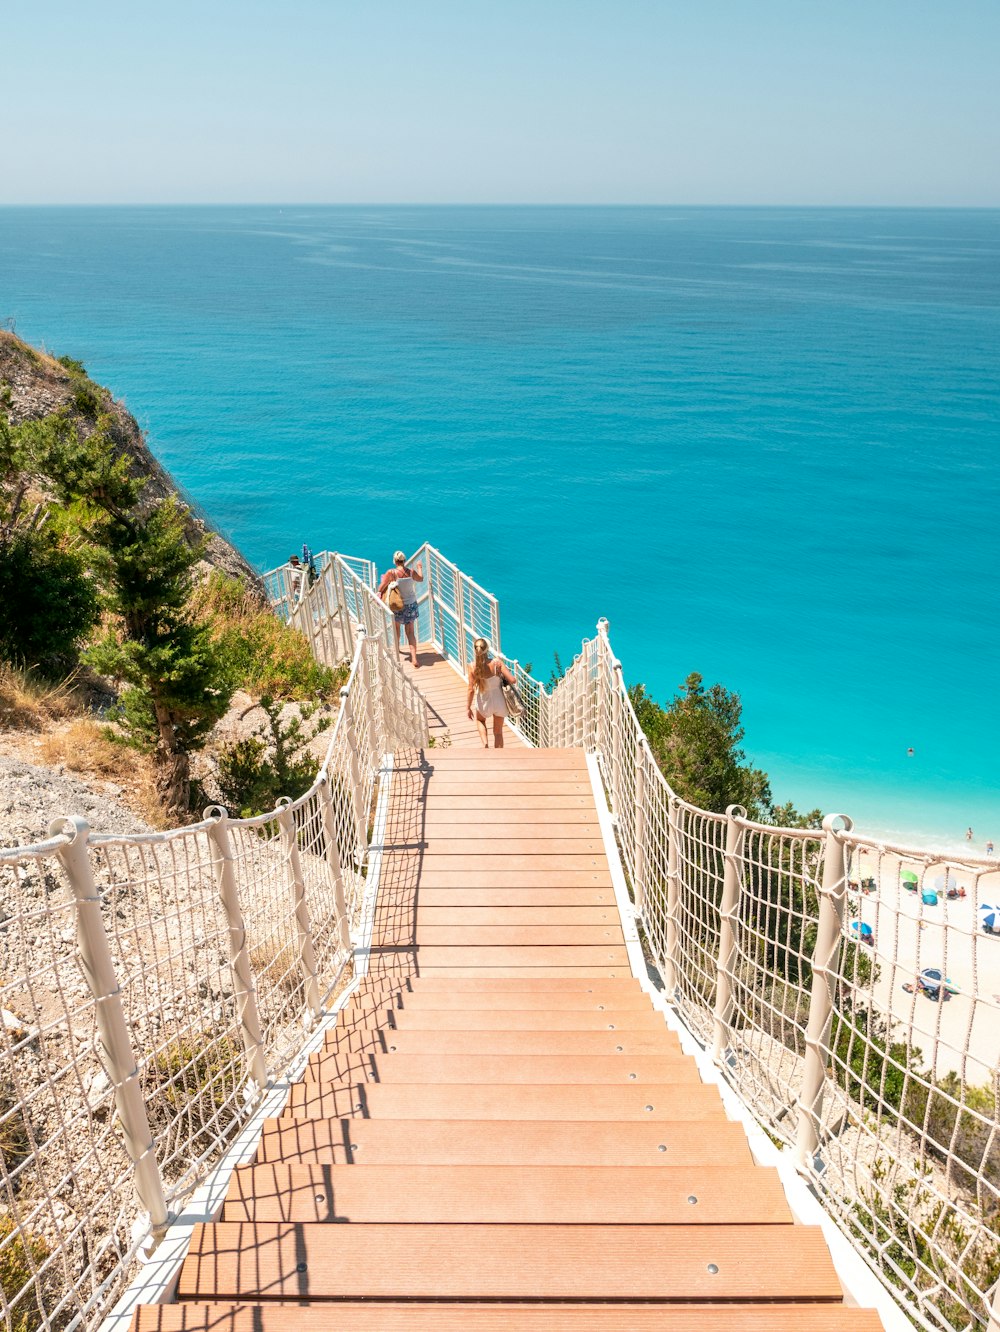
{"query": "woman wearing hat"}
{"type": "Point", "coordinates": [404, 577]}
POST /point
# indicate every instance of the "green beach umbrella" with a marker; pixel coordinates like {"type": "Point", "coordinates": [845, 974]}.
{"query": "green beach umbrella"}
{"type": "Point", "coordinates": [909, 877]}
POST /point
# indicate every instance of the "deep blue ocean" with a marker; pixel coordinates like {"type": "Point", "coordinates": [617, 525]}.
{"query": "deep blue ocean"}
{"type": "Point", "coordinates": [763, 442]}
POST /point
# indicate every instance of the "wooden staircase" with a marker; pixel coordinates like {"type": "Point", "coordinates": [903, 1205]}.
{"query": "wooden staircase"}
{"type": "Point", "coordinates": [501, 1133]}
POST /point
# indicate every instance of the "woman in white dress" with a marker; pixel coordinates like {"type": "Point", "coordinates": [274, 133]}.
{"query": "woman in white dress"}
{"type": "Point", "coordinates": [485, 692]}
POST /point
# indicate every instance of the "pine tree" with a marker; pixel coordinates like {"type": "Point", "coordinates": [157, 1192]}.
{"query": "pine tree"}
{"type": "Point", "coordinates": [176, 686]}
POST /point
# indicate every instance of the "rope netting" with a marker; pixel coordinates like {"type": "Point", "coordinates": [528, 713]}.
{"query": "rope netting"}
{"type": "Point", "coordinates": [153, 986]}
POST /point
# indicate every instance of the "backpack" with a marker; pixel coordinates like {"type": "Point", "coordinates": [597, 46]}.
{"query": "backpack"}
{"type": "Point", "coordinates": [394, 598]}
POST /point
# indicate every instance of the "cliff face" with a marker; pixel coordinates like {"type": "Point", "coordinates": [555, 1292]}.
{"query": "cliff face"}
{"type": "Point", "coordinates": [33, 385]}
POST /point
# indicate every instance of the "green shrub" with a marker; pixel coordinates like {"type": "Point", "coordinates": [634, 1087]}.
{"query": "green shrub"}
{"type": "Point", "coordinates": [21, 1255]}
{"type": "Point", "coordinates": [255, 772]}
{"type": "Point", "coordinates": [47, 602]}
{"type": "Point", "coordinates": [266, 657]}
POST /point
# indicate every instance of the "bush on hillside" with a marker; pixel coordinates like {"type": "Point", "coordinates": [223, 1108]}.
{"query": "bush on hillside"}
{"type": "Point", "coordinates": [267, 658]}
{"type": "Point", "coordinates": [48, 604]}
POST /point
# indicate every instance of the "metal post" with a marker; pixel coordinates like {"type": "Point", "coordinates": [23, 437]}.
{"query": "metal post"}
{"type": "Point", "coordinates": [357, 796]}
{"type": "Point", "coordinates": [247, 1014]}
{"type": "Point", "coordinates": [341, 593]}
{"type": "Point", "coordinates": [673, 894]}
{"type": "Point", "coordinates": [616, 734]}
{"type": "Point", "coordinates": [463, 647]}
{"type": "Point", "coordinates": [431, 610]}
{"type": "Point", "coordinates": [296, 884]}
{"type": "Point", "coordinates": [825, 971]}
{"type": "Point", "coordinates": [116, 1045]}
{"type": "Point", "coordinates": [729, 909]}
{"type": "Point", "coordinates": [333, 861]}
{"type": "Point", "coordinates": [638, 848]}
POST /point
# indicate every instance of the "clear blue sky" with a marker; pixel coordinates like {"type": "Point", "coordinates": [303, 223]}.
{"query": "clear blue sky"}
{"type": "Point", "coordinates": [548, 101]}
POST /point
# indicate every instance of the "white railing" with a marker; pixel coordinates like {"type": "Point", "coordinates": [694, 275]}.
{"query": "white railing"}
{"type": "Point", "coordinates": [152, 987]}
{"type": "Point", "coordinates": [786, 952]}
{"type": "Point", "coordinates": [454, 609]}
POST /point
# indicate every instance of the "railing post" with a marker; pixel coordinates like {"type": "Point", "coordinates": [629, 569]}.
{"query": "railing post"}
{"type": "Point", "coordinates": [431, 608]}
{"type": "Point", "coordinates": [375, 741]}
{"type": "Point", "coordinates": [116, 1044]}
{"type": "Point", "coordinates": [673, 894]}
{"type": "Point", "coordinates": [334, 862]}
{"type": "Point", "coordinates": [729, 910]}
{"type": "Point", "coordinates": [296, 883]}
{"type": "Point", "coordinates": [357, 798]}
{"type": "Point", "coordinates": [463, 648]}
{"type": "Point", "coordinates": [639, 847]}
{"type": "Point", "coordinates": [247, 1014]}
{"type": "Point", "coordinates": [341, 595]}
{"type": "Point", "coordinates": [616, 735]}
{"type": "Point", "coordinates": [825, 971]}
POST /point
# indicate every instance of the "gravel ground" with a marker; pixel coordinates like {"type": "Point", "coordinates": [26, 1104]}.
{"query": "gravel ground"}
{"type": "Point", "coordinates": [31, 797]}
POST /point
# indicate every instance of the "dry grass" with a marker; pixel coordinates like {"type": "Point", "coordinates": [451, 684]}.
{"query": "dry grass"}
{"type": "Point", "coordinates": [84, 747]}
{"type": "Point", "coordinates": [29, 703]}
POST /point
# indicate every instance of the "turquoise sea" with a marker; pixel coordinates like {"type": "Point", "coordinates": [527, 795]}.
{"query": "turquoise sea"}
{"type": "Point", "coordinates": [763, 442]}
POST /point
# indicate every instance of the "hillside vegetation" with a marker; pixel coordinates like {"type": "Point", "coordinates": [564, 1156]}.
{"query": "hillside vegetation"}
{"type": "Point", "coordinates": [119, 608]}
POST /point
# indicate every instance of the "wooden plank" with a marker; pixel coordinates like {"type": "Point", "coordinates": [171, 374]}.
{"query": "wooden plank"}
{"type": "Point", "coordinates": [413, 1316]}
{"type": "Point", "coordinates": [446, 875]}
{"type": "Point", "coordinates": [596, 997]}
{"type": "Point", "coordinates": [424, 985]}
{"type": "Point", "coordinates": [267, 1261]}
{"type": "Point", "coordinates": [453, 972]}
{"type": "Point", "coordinates": [504, 1195]}
{"type": "Point", "coordinates": [516, 897]}
{"type": "Point", "coordinates": [520, 781]}
{"type": "Point", "coordinates": [472, 798]}
{"type": "Point", "coordinates": [516, 936]}
{"type": "Point", "coordinates": [534, 1070]}
{"type": "Point", "coordinates": [435, 861]}
{"type": "Point", "coordinates": [514, 760]}
{"type": "Point", "coordinates": [463, 917]}
{"type": "Point", "coordinates": [532, 838]}
{"type": "Point", "coordinates": [620, 1043]}
{"type": "Point", "coordinates": [485, 1019]}
{"type": "Point", "coordinates": [547, 955]}
{"type": "Point", "coordinates": [382, 1100]}
{"type": "Point", "coordinates": [647, 1143]}
{"type": "Point", "coordinates": [432, 815]}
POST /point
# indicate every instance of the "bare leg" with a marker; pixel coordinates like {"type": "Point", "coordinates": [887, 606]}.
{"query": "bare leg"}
{"type": "Point", "coordinates": [498, 733]}
{"type": "Point", "coordinates": [481, 728]}
{"type": "Point", "coordinates": [411, 638]}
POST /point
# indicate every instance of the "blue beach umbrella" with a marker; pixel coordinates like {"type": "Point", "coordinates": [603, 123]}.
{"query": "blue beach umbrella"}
{"type": "Point", "coordinates": [863, 930]}
{"type": "Point", "coordinates": [929, 897]}
{"type": "Point", "coordinates": [989, 918]}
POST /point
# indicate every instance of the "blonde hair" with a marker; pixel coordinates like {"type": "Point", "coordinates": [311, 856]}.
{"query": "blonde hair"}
{"type": "Point", "coordinates": [399, 557]}
{"type": "Point", "coordinates": [481, 665]}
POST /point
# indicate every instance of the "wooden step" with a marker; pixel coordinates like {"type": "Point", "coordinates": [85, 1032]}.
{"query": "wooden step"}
{"type": "Point", "coordinates": [597, 998]}
{"type": "Point", "coordinates": [414, 1316]}
{"type": "Point", "coordinates": [478, 898]}
{"type": "Point", "coordinates": [475, 860]}
{"type": "Point", "coordinates": [490, 818]}
{"type": "Point", "coordinates": [517, 936]}
{"type": "Point", "coordinates": [506, 917]}
{"type": "Point", "coordinates": [272, 1260]}
{"type": "Point", "coordinates": [471, 798]}
{"type": "Point", "coordinates": [451, 971]}
{"type": "Point", "coordinates": [437, 1043]}
{"type": "Point", "coordinates": [545, 955]}
{"type": "Point", "coordinates": [536, 1070]}
{"type": "Point", "coordinates": [444, 874]}
{"type": "Point", "coordinates": [554, 841]}
{"type": "Point", "coordinates": [423, 985]}
{"type": "Point", "coordinates": [481, 1195]}
{"type": "Point", "coordinates": [379, 1100]}
{"type": "Point", "coordinates": [538, 783]}
{"type": "Point", "coordinates": [526, 1019]}
{"type": "Point", "coordinates": [497, 1142]}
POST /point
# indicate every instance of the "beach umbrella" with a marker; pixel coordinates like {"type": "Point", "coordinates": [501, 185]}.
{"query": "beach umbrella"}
{"type": "Point", "coordinates": [933, 977]}
{"type": "Point", "coordinates": [929, 897]}
{"type": "Point", "coordinates": [989, 917]}
{"type": "Point", "coordinates": [908, 876]}
{"type": "Point", "coordinates": [946, 883]}
{"type": "Point", "coordinates": [863, 930]}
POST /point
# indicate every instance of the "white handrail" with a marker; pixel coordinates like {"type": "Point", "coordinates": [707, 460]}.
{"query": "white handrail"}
{"type": "Point", "coordinates": [209, 950]}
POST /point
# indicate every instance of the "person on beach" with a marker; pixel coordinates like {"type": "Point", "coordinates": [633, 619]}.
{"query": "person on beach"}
{"type": "Point", "coordinates": [485, 676]}
{"type": "Point", "coordinates": [968, 834]}
{"type": "Point", "coordinates": [406, 619]}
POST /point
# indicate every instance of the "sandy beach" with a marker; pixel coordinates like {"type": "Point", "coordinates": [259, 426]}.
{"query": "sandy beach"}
{"type": "Point", "coordinates": [960, 1033]}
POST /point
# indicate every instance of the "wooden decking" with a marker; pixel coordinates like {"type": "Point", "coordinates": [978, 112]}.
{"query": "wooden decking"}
{"type": "Point", "coordinates": [501, 1133]}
